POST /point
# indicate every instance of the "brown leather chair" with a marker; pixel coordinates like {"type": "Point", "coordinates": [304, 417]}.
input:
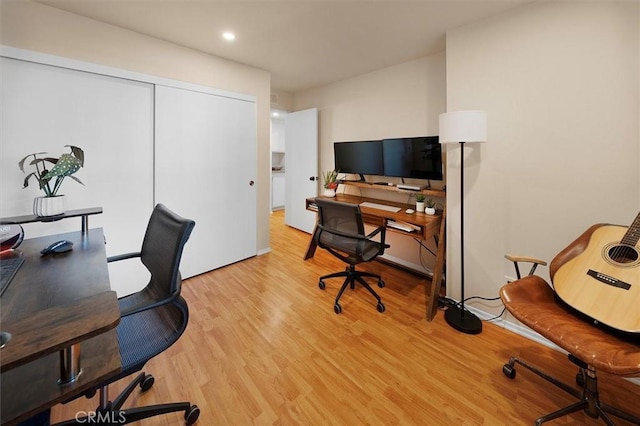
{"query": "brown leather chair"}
{"type": "Point", "coordinates": [532, 301]}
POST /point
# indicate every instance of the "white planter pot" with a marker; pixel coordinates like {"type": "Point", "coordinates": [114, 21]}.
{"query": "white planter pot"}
{"type": "Point", "coordinates": [420, 206]}
{"type": "Point", "coordinates": [329, 192]}
{"type": "Point", "coordinates": [430, 211]}
{"type": "Point", "coordinates": [49, 206]}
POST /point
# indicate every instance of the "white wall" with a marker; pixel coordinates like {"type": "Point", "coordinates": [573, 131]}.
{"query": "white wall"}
{"type": "Point", "coordinates": [41, 28]}
{"type": "Point", "coordinates": [399, 101]}
{"type": "Point", "coordinates": [560, 82]}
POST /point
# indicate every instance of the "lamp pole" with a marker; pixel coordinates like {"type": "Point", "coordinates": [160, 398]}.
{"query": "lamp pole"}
{"type": "Point", "coordinates": [462, 127]}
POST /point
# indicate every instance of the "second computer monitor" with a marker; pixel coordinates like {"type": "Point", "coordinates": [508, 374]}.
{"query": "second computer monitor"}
{"type": "Point", "coordinates": [418, 158]}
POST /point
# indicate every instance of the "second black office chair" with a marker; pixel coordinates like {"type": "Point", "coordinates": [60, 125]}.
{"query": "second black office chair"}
{"type": "Point", "coordinates": [341, 232]}
{"type": "Point", "coordinates": [151, 319]}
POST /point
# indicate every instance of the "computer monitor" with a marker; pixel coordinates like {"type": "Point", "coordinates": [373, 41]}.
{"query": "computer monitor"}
{"type": "Point", "coordinates": [359, 157]}
{"type": "Point", "coordinates": [417, 157]}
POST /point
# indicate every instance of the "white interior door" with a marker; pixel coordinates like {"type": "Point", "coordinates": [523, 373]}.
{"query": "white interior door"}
{"type": "Point", "coordinates": [45, 107]}
{"type": "Point", "coordinates": [301, 165]}
{"type": "Point", "coordinates": [205, 170]}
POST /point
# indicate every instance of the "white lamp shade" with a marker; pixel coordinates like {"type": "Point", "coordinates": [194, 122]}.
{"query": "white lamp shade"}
{"type": "Point", "coordinates": [463, 126]}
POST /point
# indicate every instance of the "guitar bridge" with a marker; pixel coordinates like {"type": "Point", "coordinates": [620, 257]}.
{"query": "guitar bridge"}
{"type": "Point", "coordinates": [607, 279]}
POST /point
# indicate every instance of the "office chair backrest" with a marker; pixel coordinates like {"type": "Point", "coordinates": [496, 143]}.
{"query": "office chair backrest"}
{"type": "Point", "coordinates": [162, 248]}
{"type": "Point", "coordinates": [342, 217]}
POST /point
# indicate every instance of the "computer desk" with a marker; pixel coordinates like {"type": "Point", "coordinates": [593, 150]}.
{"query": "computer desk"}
{"type": "Point", "coordinates": [428, 227]}
{"type": "Point", "coordinates": [62, 315]}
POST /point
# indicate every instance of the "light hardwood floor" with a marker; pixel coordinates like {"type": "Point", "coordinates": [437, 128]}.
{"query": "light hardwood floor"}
{"type": "Point", "coordinates": [264, 346]}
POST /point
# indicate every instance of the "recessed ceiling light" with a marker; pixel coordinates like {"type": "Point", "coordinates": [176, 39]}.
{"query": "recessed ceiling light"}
{"type": "Point", "coordinates": [228, 36]}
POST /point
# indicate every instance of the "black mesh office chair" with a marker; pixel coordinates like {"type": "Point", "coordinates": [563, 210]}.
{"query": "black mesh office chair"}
{"type": "Point", "coordinates": [151, 319]}
{"type": "Point", "coordinates": [340, 231]}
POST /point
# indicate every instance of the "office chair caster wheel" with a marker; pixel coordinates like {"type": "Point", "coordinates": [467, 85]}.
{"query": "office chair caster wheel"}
{"type": "Point", "coordinates": [580, 379]}
{"type": "Point", "coordinates": [322, 285]}
{"type": "Point", "coordinates": [191, 415]}
{"type": "Point", "coordinates": [380, 307]}
{"type": "Point", "coordinates": [509, 371]}
{"type": "Point", "coordinates": [147, 382]}
{"type": "Point", "coordinates": [337, 308]}
{"type": "Point", "coordinates": [380, 283]}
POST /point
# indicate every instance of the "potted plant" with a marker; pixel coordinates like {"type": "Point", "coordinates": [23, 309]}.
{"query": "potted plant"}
{"type": "Point", "coordinates": [330, 183]}
{"type": "Point", "coordinates": [420, 202]}
{"type": "Point", "coordinates": [430, 208]}
{"type": "Point", "coordinates": [52, 204]}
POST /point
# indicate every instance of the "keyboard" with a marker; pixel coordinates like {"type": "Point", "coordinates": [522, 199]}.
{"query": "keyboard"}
{"type": "Point", "coordinates": [380, 207]}
{"type": "Point", "coordinates": [8, 269]}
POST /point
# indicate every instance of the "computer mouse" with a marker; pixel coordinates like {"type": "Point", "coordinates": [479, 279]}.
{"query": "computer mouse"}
{"type": "Point", "coordinates": [58, 247]}
{"type": "Point", "coordinates": [409, 211]}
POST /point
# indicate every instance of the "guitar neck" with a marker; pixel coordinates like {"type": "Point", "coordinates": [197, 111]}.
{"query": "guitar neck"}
{"type": "Point", "coordinates": [632, 235]}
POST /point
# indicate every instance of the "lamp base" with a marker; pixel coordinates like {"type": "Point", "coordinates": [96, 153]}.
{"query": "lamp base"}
{"type": "Point", "coordinates": [465, 322]}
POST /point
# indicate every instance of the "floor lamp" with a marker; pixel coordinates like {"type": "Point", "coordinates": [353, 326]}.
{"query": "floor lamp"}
{"type": "Point", "coordinates": [463, 127]}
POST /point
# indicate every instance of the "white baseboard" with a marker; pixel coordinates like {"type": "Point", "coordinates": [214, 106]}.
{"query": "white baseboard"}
{"type": "Point", "coordinates": [263, 251]}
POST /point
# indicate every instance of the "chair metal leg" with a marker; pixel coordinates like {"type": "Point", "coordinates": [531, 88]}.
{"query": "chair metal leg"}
{"type": "Point", "coordinates": [351, 277]}
{"type": "Point", "coordinates": [368, 287]}
{"type": "Point", "coordinates": [126, 392]}
{"type": "Point", "coordinates": [334, 275]}
{"type": "Point", "coordinates": [589, 400]}
{"type": "Point", "coordinates": [110, 413]}
{"type": "Point", "coordinates": [573, 408]}
{"type": "Point", "coordinates": [347, 282]}
{"type": "Point", "coordinates": [605, 408]}
{"type": "Point", "coordinates": [537, 371]}
{"type": "Point", "coordinates": [368, 274]}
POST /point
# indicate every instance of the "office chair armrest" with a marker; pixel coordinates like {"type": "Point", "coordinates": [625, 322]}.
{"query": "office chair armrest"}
{"type": "Point", "coordinates": [123, 256]}
{"type": "Point", "coordinates": [144, 306]}
{"type": "Point", "coordinates": [524, 259]}
{"type": "Point", "coordinates": [377, 231]}
{"type": "Point", "coordinates": [343, 234]}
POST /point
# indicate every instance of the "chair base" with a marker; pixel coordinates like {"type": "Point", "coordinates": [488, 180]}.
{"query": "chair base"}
{"type": "Point", "coordinates": [351, 277]}
{"type": "Point", "coordinates": [588, 399]}
{"type": "Point", "coordinates": [110, 413]}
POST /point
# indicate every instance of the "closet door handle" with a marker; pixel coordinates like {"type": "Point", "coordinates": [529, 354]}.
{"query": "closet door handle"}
{"type": "Point", "coordinates": [251, 183]}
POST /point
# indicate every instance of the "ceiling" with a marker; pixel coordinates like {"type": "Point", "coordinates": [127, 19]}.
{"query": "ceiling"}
{"type": "Point", "coordinates": [303, 43]}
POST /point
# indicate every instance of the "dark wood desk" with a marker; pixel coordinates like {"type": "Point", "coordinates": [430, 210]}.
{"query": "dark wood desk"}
{"type": "Point", "coordinates": [428, 227]}
{"type": "Point", "coordinates": [55, 303]}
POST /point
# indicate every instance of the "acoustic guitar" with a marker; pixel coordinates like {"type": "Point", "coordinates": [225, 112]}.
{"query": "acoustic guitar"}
{"type": "Point", "coordinates": [599, 275]}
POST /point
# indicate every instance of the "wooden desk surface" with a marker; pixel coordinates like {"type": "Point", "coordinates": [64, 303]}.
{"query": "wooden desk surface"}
{"type": "Point", "coordinates": [55, 301]}
{"type": "Point", "coordinates": [429, 224]}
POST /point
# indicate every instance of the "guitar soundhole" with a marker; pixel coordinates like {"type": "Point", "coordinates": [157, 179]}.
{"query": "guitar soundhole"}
{"type": "Point", "coordinates": [623, 255]}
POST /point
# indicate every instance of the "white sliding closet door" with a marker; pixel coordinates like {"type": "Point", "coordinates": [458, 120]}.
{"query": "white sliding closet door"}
{"type": "Point", "coordinates": [43, 108]}
{"type": "Point", "coordinates": [205, 170]}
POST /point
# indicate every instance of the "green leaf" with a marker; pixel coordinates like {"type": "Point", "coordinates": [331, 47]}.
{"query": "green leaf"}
{"type": "Point", "coordinates": [78, 153]}
{"type": "Point", "coordinates": [67, 165]}
{"type": "Point", "coordinates": [76, 179]}
{"type": "Point", "coordinates": [26, 180]}
{"type": "Point", "coordinates": [21, 162]}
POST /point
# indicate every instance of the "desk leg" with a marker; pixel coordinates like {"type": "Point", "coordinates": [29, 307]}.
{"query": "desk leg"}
{"type": "Point", "coordinates": [311, 249]}
{"type": "Point", "coordinates": [84, 227]}
{"type": "Point", "coordinates": [436, 282]}
{"type": "Point", "coordinates": [70, 364]}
